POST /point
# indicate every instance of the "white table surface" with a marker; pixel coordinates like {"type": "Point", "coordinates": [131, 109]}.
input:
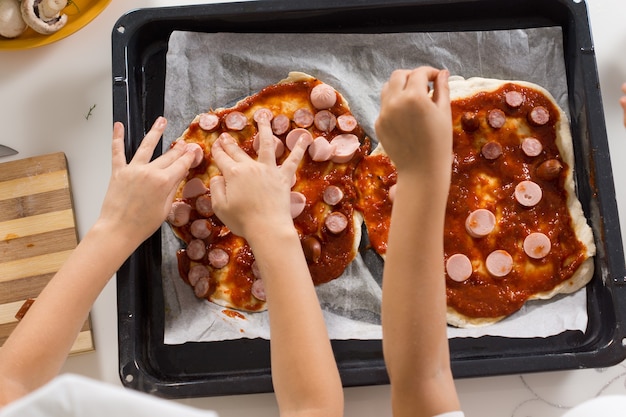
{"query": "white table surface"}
{"type": "Point", "coordinates": [45, 96]}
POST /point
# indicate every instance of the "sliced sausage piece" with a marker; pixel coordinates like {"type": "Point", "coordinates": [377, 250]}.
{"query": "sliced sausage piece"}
{"type": "Point", "coordinates": [532, 146]}
{"type": "Point", "coordinates": [459, 267]}
{"type": "Point", "coordinates": [336, 222]}
{"type": "Point", "coordinates": [236, 120]}
{"type": "Point", "coordinates": [325, 121]}
{"type": "Point", "coordinates": [345, 147]}
{"type": "Point", "coordinates": [321, 149]}
{"type": "Point", "coordinates": [346, 122]}
{"type": "Point", "coordinates": [539, 116]}
{"type": "Point", "coordinates": [332, 195]}
{"type": "Point", "coordinates": [549, 169]}
{"type": "Point", "coordinates": [256, 272]}
{"type": "Point", "coordinates": [480, 223]}
{"type": "Point", "coordinates": [323, 96]}
{"type": "Point", "coordinates": [294, 135]}
{"type": "Point", "coordinates": [491, 150]}
{"type": "Point", "coordinates": [218, 258]}
{"type": "Point", "coordinates": [179, 214]}
{"type": "Point", "coordinates": [298, 202]}
{"type": "Point", "coordinates": [196, 249]}
{"type": "Point", "coordinates": [196, 272]}
{"type": "Point", "coordinates": [201, 289]}
{"type": "Point", "coordinates": [514, 99]}
{"type": "Point", "coordinates": [280, 124]}
{"type": "Point", "coordinates": [193, 188]}
{"type": "Point", "coordinates": [279, 146]}
{"type": "Point", "coordinates": [258, 290]}
{"type": "Point", "coordinates": [198, 154]}
{"type": "Point", "coordinates": [303, 117]}
{"type": "Point", "coordinates": [263, 113]}
{"type": "Point", "coordinates": [499, 263]}
{"type": "Point", "coordinates": [204, 207]}
{"type": "Point", "coordinates": [496, 118]}
{"type": "Point", "coordinates": [201, 228]}
{"type": "Point", "coordinates": [208, 121]}
{"type": "Point", "coordinates": [537, 245]}
{"type": "Point", "coordinates": [528, 193]}
{"type": "Point", "coordinates": [392, 192]}
{"type": "Point", "coordinates": [312, 248]}
{"type": "Point", "coordinates": [469, 121]}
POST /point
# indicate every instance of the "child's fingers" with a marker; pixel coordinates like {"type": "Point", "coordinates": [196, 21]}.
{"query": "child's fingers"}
{"type": "Point", "coordinates": [418, 79]}
{"type": "Point", "coordinates": [175, 152]}
{"type": "Point", "coordinates": [221, 157]}
{"type": "Point", "coordinates": [441, 92]}
{"type": "Point", "coordinates": [290, 164]}
{"type": "Point", "coordinates": [178, 163]}
{"type": "Point", "coordinates": [146, 148]}
{"type": "Point", "coordinates": [118, 155]}
{"type": "Point", "coordinates": [231, 148]}
{"type": "Point", "coordinates": [397, 82]}
{"type": "Point", "coordinates": [218, 192]}
{"type": "Point", "coordinates": [267, 151]}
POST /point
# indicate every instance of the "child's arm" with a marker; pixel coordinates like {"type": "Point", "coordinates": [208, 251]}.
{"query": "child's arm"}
{"type": "Point", "coordinates": [622, 102]}
{"type": "Point", "coordinates": [252, 199]}
{"type": "Point", "coordinates": [416, 132]}
{"type": "Point", "coordinates": [137, 201]}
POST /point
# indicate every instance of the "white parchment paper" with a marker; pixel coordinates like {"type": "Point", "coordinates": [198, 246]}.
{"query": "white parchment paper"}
{"type": "Point", "coordinates": [210, 70]}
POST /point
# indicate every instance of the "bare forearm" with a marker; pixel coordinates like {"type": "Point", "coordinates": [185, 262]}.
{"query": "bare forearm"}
{"type": "Point", "coordinates": [414, 305]}
{"type": "Point", "coordinates": [306, 380]}
{"type": "Point", "coordinates": [39, 345]}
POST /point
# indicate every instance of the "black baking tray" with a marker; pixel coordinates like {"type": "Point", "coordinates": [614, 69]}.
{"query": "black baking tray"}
{"type": "Point", "coordinates": [139, 46]}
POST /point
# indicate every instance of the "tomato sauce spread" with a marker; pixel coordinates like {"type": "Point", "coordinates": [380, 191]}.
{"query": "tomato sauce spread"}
{"type": "Point", "coordinates": [479, 182]}
{"type": "Point", "coordinates": [374, 177]}
{"type": "Point", "coordinates": [338, 250]}
{"type": "Point", "coordinates": [232, 283]}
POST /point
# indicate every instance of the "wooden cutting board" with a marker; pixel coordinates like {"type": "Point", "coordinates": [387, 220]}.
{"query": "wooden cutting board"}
{"type": "Point", "coordinates": [37, 234]}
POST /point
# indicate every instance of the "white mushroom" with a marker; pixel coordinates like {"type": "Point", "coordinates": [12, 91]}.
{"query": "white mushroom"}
{"type": "Point", "coordinates": [44, 16]}
{"type": "Point", "coordinates": [11, 23]}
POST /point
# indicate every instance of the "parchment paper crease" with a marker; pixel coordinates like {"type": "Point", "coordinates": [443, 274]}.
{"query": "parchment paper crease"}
{"type": "Point", "coordinates": [210, 70]}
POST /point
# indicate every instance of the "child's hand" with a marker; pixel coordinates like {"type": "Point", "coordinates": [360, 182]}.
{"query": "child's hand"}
{"type": "Point", "coordinates": [140, 193]}
{"type": "Point", "coordinates": [252, 197]}
{"type": "Point", "coordinates": [414, 128]}
{"type": "Point", "coordinates": [622, 102]}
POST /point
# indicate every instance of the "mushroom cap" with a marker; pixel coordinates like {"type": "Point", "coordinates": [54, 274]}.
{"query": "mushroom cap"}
{"type": "Point", "coordinates": [45, 27]}
{"type": "Point", "coordinates": [11, 22]}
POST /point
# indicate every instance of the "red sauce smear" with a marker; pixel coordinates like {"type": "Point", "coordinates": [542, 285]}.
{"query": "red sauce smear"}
{"type": "Point", "coordinates": [373, 178]}
{"type": "Point", "coordinates": [233, 314]}
{"type": "Point", "coordinates": [483, 295]}
{"type": "Point", "coordinates": [313, 177]}
{"type": "Point", "coordinates": [481, 183]}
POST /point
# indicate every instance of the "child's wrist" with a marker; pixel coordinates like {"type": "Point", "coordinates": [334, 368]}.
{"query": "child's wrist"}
{"type": "Point", "coordinates": [269, 234]}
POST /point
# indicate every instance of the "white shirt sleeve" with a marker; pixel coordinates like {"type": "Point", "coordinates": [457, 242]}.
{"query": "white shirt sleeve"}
{"type": "Point", "coordinates": [76, 396]}
{"type": "Point", "coordinates": [451, 414]}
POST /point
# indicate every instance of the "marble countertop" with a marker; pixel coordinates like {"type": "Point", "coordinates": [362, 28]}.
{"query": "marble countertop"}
{"type": "Point", "coordinates": [48, 92]}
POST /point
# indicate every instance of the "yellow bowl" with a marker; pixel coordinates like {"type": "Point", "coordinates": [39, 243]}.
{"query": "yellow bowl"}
{"type": "Point", "coordinates": [79, 14]}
